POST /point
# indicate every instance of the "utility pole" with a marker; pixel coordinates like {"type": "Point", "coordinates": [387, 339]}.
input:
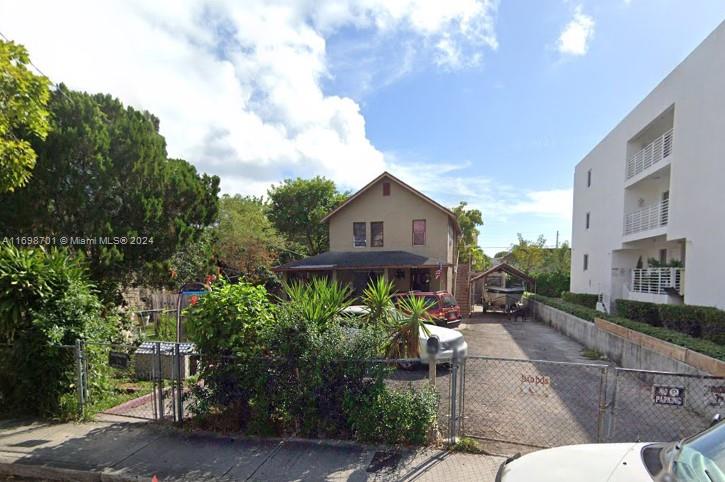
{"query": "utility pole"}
{"type": "Point", "coordinates": [557, 239]}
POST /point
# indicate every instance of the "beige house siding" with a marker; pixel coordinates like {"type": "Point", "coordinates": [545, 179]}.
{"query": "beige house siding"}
{"type": "Point", "coordinates": [397, 212]}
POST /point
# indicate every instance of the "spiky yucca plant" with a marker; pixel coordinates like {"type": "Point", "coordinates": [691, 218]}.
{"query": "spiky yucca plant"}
{"type": "Point", "coordinates": [377, 299]}
{"type": "Point", "coordinates": [318, 301]}
{"type": "Point", "coordinates": [408, 322]}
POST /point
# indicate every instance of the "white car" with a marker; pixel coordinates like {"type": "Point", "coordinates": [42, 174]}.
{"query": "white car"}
{"type": "Point", "coordinates": [700, 458]}
{"type": "Point", "coordinates": [450, 340]}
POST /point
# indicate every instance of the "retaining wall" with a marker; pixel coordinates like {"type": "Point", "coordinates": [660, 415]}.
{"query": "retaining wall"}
{"type": "Point", "coordinates": [626, 353]}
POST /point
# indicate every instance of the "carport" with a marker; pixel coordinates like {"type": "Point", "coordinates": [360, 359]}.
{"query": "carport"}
{"type": "Point", "coordinates": [499, 287]}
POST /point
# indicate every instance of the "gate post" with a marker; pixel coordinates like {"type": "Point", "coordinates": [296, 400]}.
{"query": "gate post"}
{"type": "Point", "coordinates": [179, 384]}
{"type": "Point", "coordinates": [80, 378]}
{"type": "Point", "coordinates": [613, 407]}
{"type": "Point", "coordinates": [159, 382]}
{"type": "Point", "coordinates": [602, 404]}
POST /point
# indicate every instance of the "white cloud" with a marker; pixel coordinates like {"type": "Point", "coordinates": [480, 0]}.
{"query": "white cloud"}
{"type": "Point", "coordinates": [577, 34]}
{"type": "Point", "coordinates": [237, 85]}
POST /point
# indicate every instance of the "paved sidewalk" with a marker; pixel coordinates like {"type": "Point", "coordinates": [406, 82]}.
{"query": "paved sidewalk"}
{"type": "Point", "coordinates": [116, 449]}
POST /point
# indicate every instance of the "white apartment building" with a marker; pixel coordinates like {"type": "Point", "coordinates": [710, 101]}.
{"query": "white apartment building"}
{"type": "Point", "coordinates": [649, 199]}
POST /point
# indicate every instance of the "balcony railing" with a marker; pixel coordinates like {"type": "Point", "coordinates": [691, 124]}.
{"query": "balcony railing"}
{"type": "Point", "coordinates": [650, 154]}
{"type": "Point", "coordinates": [658, 281]}
{"type": "Point", "coordinates": [651, 217]}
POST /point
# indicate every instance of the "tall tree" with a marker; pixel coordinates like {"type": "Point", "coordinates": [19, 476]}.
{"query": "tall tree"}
{"type": "Point", "coordinates": [468, 249]}
{"type": "Point", "coordinates": [296, 208]}
{"type": "Point", "coordinates": [245, 240]}
{"type": "Point", "coordinates": [527, 255]}
{"type": "Point", "coordinates": [103, 171]}
{"type": "Point", "coordinates": [23, 115]}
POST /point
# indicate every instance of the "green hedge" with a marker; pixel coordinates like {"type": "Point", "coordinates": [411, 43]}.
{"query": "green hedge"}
{"type": "Point", "coordinates": [584, 299]}
{"type": "Point", "coordinates": [704, 346]}
{"type": "Point", "coordinates": [697, 321]}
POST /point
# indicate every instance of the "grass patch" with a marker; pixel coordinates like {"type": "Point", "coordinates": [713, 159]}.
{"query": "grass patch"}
{"type": "Point", "coordinates": [593, 354]}
{"type": "Point", "coordinates": [124, 389]}
{"type": "Point", "coordinates": [467, 445]}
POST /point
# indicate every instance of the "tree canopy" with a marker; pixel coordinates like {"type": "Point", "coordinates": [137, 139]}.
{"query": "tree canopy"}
{"type": "Point", "coordinates": [23, 115]}
{"type": "Point", "coordinates": [297, 207]}
{"type": "Point", "coordinates": [550, 267]}
{"type": "Point", "coordinates": [103, 171]}
{"type": "Point", "coordinates": [470, 220]}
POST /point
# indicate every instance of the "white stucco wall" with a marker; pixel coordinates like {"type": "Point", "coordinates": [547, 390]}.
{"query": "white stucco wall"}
{"type": "Point", "coordinates": [696, 91]}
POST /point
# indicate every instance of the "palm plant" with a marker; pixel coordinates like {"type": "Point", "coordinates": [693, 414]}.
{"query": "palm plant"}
{"type": "Point", "coordinates": [318, 301]}
{"type": "Point", "coordinates": [377, 299]}
{"type": "Point", "coordinates": [408, 322]}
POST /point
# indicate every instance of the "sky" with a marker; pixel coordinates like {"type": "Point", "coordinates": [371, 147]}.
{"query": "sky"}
{"type": "Point", "coordinates": [483, 101]}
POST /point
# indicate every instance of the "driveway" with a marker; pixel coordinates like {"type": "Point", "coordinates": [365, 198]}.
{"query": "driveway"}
{"type": "Point", "coordinates": [494, 335]}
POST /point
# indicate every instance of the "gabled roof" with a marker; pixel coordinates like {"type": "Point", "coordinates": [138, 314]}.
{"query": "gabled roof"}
{"type": "Point", "coordinates": [506, 268]}
{"type": "Point", "coordinates": [361, 260]}
{"type": "Point", "coordinates": [405, 186]}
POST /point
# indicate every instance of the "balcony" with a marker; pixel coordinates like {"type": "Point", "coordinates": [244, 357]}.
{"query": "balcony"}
{"type": "Point", "coordinates": [653, 216]}
{"type": "Point", "coordinates": [657, 281]}
{"type": "Point", "coordinates": [649, 155]}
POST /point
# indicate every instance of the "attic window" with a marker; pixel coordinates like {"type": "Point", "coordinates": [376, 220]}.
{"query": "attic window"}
{"type": "Point", "coordinates": [386, 189]}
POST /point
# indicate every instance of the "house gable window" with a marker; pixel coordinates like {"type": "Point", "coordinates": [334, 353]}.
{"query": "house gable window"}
{"type": "Point", "coordinates": [359, 237]}
{"type": "Point", "coordinates": [386, 189]}
{"type": "Point", "coordinates": [418, 232]}
{"type": "Point", "coordinates": [376, 234]}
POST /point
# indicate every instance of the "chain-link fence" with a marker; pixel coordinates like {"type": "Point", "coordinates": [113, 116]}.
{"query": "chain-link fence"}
{"type": "Point", "coordinates": [533, 403]}
{"type": "Point", "coordinates": [661, 406]}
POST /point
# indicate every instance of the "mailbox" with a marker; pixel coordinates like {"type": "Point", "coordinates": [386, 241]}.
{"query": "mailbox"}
{"type": "Point", "coordinates": [433, 345]}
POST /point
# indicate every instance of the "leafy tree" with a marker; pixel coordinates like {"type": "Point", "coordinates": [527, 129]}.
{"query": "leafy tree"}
{"type": "Point", "coordinates": [195, 260]}
{"type": "Point", "coordinates": [103, 171]}
{"type": "Point", "coordinates": [298, 205]}
{"type": "Point", "coordinates": [528, 255]}
{"type": "Point", "coordinates": [470, 220]}
{"type": "Point", "coordinates": [550, 267]}
{"type": "Point", "coordinates": [245, 239]}
{"type": "Point", "coordinates": [23, 114]}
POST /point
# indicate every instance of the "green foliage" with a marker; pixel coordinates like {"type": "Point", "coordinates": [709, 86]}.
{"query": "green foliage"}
{"type": "Point", "coordinates": [470, 220]}
{"type": "Point", "coordinates": [246, 241]}
{"type": "Point", "coordinates": [46, 301]}
{"type": "Point", "coordinates": [194, 260]}
{"type": "Point", "coordinates": [319, 301]}
{"type": "Point", "coordinates": [409, 321]}
{"type": "Point", "coordinates": [706, 347]}
{"type": "Point", "coordinates": [553, 283]}
{"type": "Point", "coordinates": [229, 318]}
{"type": "Point", "coordinates": [297, 207]}
{"type": "Point", "coordinates": [23, 113]}
{"type": "Point", "coordinates": [584, 299]}
{"type": "Point", "coordinates": [393, 416]}
{"type": "Point", "coordinates": [103, 171]}
{"type": "Point", "coordinates": [467, 445]}
{"type": "Point", "coordinates": [377, 297]}
{"type": "Point", "coordinates": [639, 311]}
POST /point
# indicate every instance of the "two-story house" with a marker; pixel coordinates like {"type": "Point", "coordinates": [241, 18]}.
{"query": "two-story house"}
{"type": "Point", "coordinates": [387, 229]}
{"type": "Point", "coordinates": [649, 201]}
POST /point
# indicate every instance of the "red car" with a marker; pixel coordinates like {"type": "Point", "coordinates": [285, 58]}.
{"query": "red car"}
{"type": "Point", "coordinates": [445, 310]}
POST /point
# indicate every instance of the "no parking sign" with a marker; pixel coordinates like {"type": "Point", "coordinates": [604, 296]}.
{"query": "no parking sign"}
{"type": "Point", "coordinates": [668, 395]}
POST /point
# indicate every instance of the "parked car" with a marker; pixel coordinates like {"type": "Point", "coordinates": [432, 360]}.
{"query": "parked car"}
{"type": "Point", "coordinates": [450, 340]}
{"type": "Point", "coordinates": [444, 311]}
{"type": "Point", "coordinates": [700, 458]}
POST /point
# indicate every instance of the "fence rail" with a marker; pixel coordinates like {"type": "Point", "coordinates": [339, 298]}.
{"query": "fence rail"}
{"type": "Point", "coordinates": [650, 217]}
{"type": "Point", "coordinates": [656, 280]}
{"type": "Point", "coordinates": [650, 154]}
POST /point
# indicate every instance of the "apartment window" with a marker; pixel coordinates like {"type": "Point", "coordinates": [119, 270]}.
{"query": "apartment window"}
{"type": "Point", "coordinates": [386, 189]}
{"type": "Point", "coordinates": [588, 219]}
{"type": "Point", "coordinates": [359, 239]}
{"type": "Point", "coordinates": [586, 262]}
{"type": "Point", "coordinates": [589, 178]}
{"type": "Point", "coordinates": [376, 234]}
{"type": "Point", "coordinates": [418, 232]}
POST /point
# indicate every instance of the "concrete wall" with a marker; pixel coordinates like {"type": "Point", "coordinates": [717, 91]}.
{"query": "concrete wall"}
{"type": "Point", "coordinates": [397, 212]}
{"type": "Point", "coordinates": [625, 353]}
{"type": "Point", "coordinates": [692, 99]}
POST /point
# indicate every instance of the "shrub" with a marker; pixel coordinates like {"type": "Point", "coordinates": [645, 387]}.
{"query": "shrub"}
{"type": "Point", "coordinates": [584, 299]}
{"type": "Point", "coordinates": [47, 301]}
{"type": "Point", "coordinates": [639, 311]}
{"type": "Point", "coordinates": [699, 321]}
{"type": "Point", "coordinates": [393, 416]}
{"type": "Point", "coordinates": [575, 309]}
{"type": "Point", "coordinates": [552, 284]}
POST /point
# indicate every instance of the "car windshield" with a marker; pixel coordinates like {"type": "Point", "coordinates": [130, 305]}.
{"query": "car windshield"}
{"type": "Point", "coordinates": [432, 301]}
{"type": "Point", "coordinates": [449, 301]}
{"type": "Point", "coordinates": [702, 457]}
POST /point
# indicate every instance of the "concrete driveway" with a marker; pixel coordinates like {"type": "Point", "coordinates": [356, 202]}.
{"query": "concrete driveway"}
{"type": "Point", "coordinates": [495, 335]}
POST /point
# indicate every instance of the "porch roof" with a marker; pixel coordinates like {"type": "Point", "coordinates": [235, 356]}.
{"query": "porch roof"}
{"type": "Point", "coordinates": [337, 260]}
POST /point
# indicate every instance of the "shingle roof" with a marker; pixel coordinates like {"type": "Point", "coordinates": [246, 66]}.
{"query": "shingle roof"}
{"type": "Point", "coordinates": [361, 259]}
{"type": "Point", "coordinates": [506, 268]}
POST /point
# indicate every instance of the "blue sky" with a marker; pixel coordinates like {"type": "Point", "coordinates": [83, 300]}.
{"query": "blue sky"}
{"type": "Point", "coordinates": [487, 102]}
